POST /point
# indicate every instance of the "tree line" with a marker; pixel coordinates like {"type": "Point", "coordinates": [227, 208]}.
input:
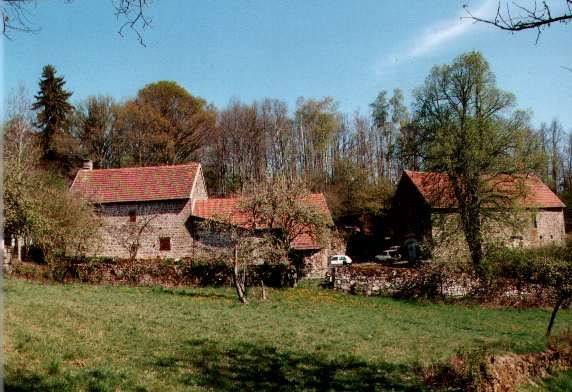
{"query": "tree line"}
{"type": "Point", "coordinates": [354, 158]}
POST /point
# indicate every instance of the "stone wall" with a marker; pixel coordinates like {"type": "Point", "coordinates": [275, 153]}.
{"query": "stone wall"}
{"type": "Point", "coordinates": [377, 280]}
{"type": "Point", "coordinates": [163, 219]}
{"type": "Point", "coordinates": [316, 263]}
{"type": "Point", "coordinates": [550, 226]}
{"type": "Point", "coordinates": [520, 229]}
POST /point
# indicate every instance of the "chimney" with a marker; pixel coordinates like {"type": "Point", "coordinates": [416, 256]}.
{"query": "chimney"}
{"type": "Point", "coordinates": [87, 165]}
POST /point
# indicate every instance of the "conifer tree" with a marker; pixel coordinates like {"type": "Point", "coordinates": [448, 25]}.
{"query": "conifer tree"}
{"type": "Point", "coordinates": [53, 109]}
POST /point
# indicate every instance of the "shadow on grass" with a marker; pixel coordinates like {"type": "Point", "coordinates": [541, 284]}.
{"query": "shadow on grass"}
{"type": "Point", "coordinates": [192, 293]}
{"type": "Point", "coordinates": [250, 367]}
{"type": "Point", "coordinates": [88, 379]}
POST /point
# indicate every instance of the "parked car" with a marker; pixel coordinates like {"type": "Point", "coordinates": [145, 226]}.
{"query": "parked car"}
{"type": "Point", "coordinates": [340, 260]}
{"type": "Point", "coordinates": [391, 254]}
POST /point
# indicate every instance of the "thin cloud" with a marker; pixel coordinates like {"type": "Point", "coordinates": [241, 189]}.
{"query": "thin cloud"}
{"type": "Point", "coordinates": [441, 33]}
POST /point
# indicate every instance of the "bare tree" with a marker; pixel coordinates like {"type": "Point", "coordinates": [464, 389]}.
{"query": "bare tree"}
{"type": "Point", "coordinates": [130, 234]}
{"type": "Point", "coordinates": [20, 145]}
{"type": "Point", "coordinates": [17, 16]}
{"type": "Point", "coordinates": [512, 16]}
{"type": "Point", "coordinates": [238, 245]}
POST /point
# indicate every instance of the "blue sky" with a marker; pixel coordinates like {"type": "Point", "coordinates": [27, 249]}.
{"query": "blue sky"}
{"type": "Point", "coordinates": [251, 49]}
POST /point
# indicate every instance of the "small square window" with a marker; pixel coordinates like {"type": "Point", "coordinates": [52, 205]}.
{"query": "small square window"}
{"type": "Point", "coordinates": [164, 243]}
{"type": "Point", "coordinates": [132, 216]}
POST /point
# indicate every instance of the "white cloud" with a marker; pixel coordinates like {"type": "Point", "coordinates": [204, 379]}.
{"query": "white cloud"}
{"type": "Point", "coordinates": [441, 33]}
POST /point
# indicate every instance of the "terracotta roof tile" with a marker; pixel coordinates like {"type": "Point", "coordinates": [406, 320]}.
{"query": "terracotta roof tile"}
{"type": "Point", "coordinates": [224, 208]}
{"type": "Point", "coordinates": [136, 183]}
{"type": "Point", "coordinates": [530, 191]}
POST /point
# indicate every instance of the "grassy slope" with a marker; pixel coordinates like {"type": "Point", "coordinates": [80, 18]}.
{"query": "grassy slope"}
{"type": "Point", "coordinates": [100, 338]}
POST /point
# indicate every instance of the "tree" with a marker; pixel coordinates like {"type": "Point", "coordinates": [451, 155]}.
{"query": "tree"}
{"type": "Point", "coordinates": [472, 135]}
{"type": "Point", "coordinates": [316, 122]}
{"type": "Point", "coordinates": [39, 208]}
{"type": "Point", "coordinates": [52, 104]}
{"type": "Point", "coordinates": [20, 145]}
{"type": "Point", "coordinates": [94, 125]}
{"type": "Point", "coordinates": [283, 209]}
{"type": "Point", "coordinates": [511, 16]}
{"type": "Point", "coordinates": [164, 125]}
{"type": "Point", "coordinates": [131, 234]}
{"type": "Point", "coordinates": [239, 249]}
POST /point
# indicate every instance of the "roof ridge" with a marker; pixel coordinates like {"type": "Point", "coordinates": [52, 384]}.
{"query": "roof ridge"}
{"type": "Point", "coordinates": [138, 167]}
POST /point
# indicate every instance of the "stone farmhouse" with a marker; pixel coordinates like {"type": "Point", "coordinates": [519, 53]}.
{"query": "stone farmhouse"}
{"type": "Point", "coordinates": [158, 209]}
{"type": "Point", "coordinates": [426, 212]}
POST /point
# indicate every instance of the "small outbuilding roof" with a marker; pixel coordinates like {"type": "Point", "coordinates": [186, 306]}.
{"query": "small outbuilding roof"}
{"type": "Point", "coordinates": [230, 208]}
{"type": "Point", "coordinates": [528, 190]}
{"type": "Point", "coordinates": [133, 184]}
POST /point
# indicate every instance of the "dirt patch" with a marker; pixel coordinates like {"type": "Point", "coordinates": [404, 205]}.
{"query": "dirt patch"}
{"type": "Point", "coordinates": [481, 371]}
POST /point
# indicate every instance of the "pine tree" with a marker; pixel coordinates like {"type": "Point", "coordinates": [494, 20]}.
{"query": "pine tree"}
{"type": "Point", "coordinates": [53, 108]}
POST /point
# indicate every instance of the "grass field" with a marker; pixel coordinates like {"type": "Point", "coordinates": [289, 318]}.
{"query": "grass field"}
{"type": "Point", "coordinates": [81, 337]}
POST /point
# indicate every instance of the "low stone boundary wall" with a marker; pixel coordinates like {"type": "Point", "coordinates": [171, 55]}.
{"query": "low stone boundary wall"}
{"type": "Point", "coordinates": [379, 280]}
{"type": "Point", "coordinates": [162, 272]}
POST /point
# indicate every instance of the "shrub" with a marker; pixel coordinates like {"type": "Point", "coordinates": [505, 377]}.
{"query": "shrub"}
{"type": "Point", "coordinates": [548, 267]}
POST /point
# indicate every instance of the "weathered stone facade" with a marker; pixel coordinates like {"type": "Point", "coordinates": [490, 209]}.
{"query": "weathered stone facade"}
{"type": "Point", "coordinates": [163, 219]}
{"type": "Point", "coordinates": [526, 228]}
{"type": "Point", "coordinates": [140, 219]}
{"type": "Point", "coordinates": [425, 210]}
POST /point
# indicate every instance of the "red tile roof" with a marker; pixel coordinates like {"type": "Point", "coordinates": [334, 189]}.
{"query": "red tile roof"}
{"type": "Point", "coordinates": [229, 208]}
{"type": "Point", "coordinates": [136, 183]}
{"type": "Point", "coordinates": [530, 191]}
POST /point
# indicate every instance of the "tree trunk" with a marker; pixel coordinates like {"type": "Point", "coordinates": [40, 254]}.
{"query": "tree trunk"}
{"type": "Point", "coordinates": [553, 315]}
{"type": "Point", "coordinates": [237, 279]}
{"type": "Point", "coordinates": [263, 290]}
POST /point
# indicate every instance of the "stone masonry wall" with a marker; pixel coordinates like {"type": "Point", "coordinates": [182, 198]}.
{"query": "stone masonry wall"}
{"type": "Point", "coordinates": [166, 219]}
{"type": "Point", "coordinates": [526, 228]}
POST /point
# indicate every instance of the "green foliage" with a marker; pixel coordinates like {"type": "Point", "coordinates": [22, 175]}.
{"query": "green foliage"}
{"type": "Point", "coordinates": [318, 120]}
{"type": "Point", "coordinates": [39, 208]}
{"type": "Point", "coordinates": [53, 109]}
{"type": "Point", "coordinates": [549, 267]}
{"type": "Point", "coordinates": [380, 110]}
{"type": "Point", "coordinates": [471, 134]}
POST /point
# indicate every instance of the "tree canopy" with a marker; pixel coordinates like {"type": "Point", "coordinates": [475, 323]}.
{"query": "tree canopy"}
{"type": "Point", "coordinates": [472, 133]}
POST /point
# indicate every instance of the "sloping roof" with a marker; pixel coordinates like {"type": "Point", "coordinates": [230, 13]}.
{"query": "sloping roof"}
{"type": "Point", "coordinates": [229, 208]}
{"type": "Point", "coordinates": [529, 190]}
{"type": "Point", "coordinates": [136, 183]}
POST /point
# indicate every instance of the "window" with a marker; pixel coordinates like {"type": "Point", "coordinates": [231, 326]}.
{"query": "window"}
{"type": "Point", "coordinates": [164, 243]}
{"type": "Point", "coordinates": [132, 216]}
{"type": "Point", "coordinates": [534, 221]}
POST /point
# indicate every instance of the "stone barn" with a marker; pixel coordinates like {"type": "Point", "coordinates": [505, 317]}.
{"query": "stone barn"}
{"type": "Point", "coordinates": [425, 211]}
{"type": "Point", "coordinates": [306, 247]}
{"type": "Point", "coordinates": [152, 212]}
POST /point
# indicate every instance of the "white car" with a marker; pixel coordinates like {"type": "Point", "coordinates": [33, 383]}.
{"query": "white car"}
{"type": "Point", "coordinates": [340, 260]}
{"type": "Point", "coordinates": [391, 254]}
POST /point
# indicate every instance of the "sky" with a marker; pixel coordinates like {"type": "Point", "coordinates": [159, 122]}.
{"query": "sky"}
{"type": "Point", "coordinates": [253, 49]}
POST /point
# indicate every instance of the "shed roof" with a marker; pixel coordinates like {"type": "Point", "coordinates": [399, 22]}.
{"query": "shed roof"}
{"type": "Point", "coordinates": [229, 208]}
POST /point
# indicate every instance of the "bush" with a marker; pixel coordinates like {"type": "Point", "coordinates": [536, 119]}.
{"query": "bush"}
{"type": "Point", "coordinates": [547, 267]}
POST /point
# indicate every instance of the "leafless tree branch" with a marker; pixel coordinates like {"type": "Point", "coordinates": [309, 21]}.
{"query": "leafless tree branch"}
{"type": "Point", "coordinates": [538, 16]}
{"type": "Point", "coordinates": [17, 16]}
